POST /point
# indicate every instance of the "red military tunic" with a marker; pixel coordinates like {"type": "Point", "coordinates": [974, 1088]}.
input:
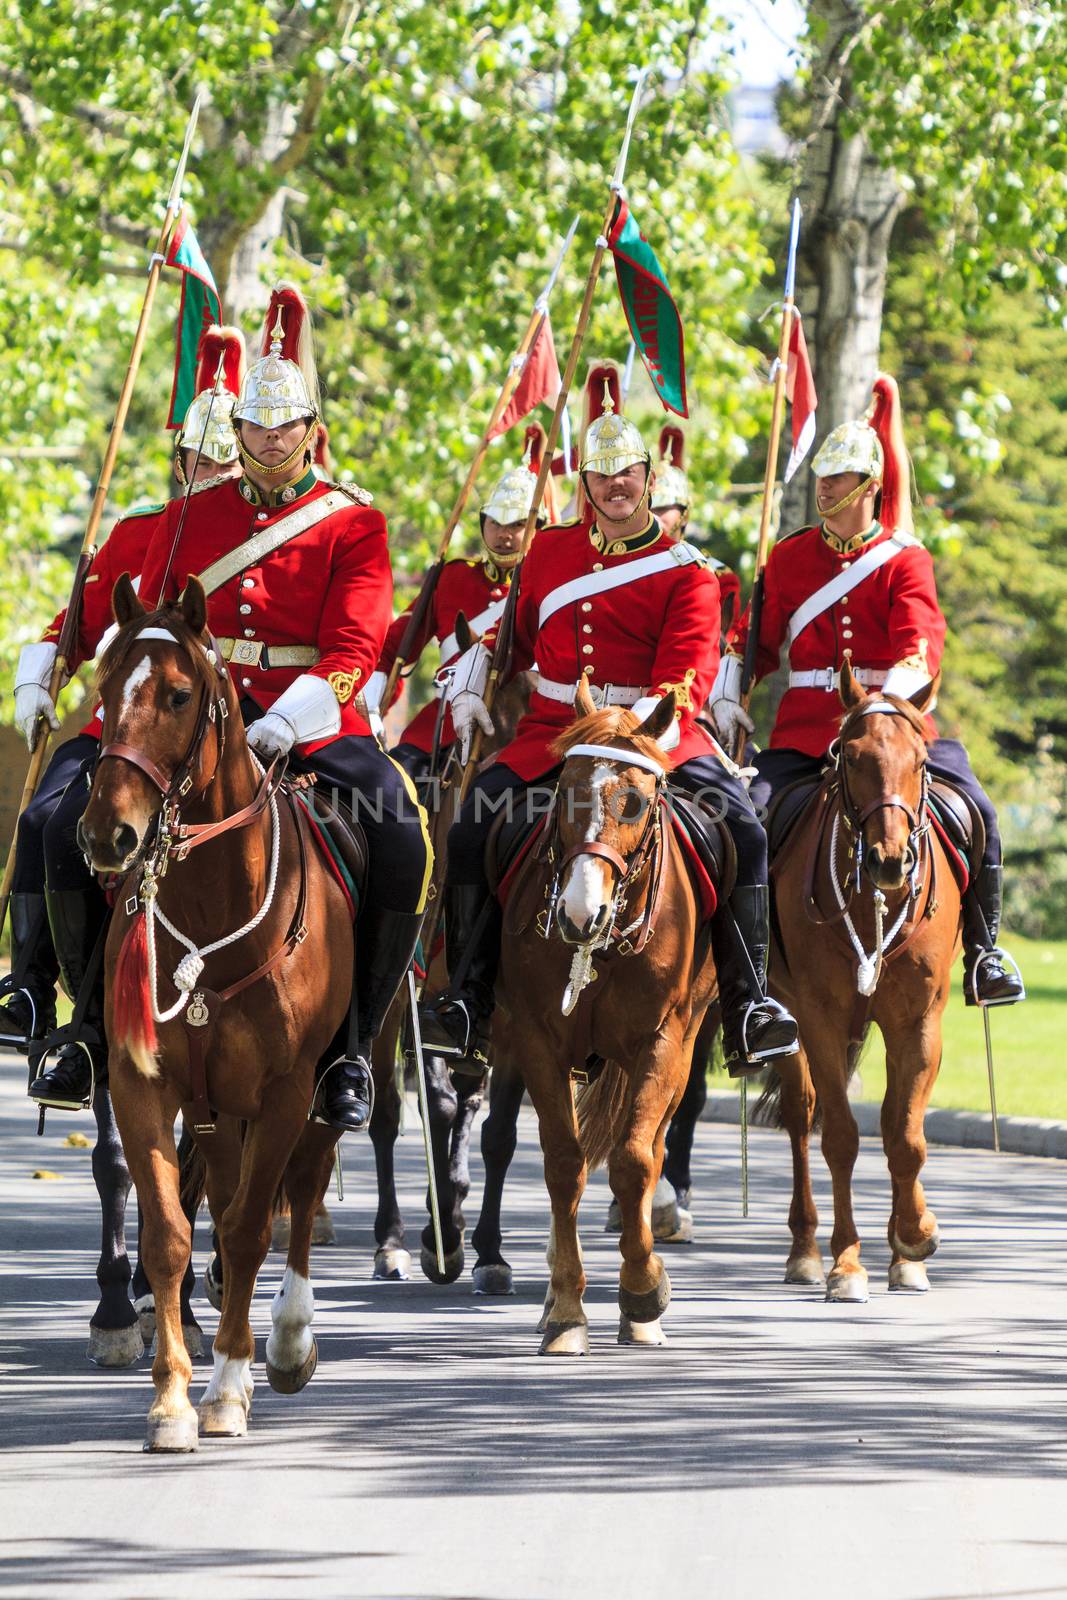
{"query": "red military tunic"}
{"type": "Point", "coordinates": [479, 589]}
{"type": "Point", "coordinates": [329, 587]}
{"type": "Point", "coordinates": [656, 633]}
{"type": "Point", "coordinates": [892, 618]}
{"type": "Point", "coordinates": [122, 551]}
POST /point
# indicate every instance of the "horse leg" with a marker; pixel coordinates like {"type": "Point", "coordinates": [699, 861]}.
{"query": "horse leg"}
{"type": "Point", "coordinates": [245, 1232]}
{"type": "Point", "coordinates": [442, 1102]}
{"type": "Point", "coordinates": [492, 1274]}
{"type": "Point", "coordinates": [146, 1114]}
{"type": "Point", "coordinates": [797, 1114]}
{"type": "Point", "coordinates": [114, 1333]}
{"type": "Point", "coordinates": [828, 1058]}
{"type": "Point", "coordinates": [391, 1260]}
{"type": "Point", "coordinates": [292, 1354]}
{"type": "Point", "coordinates": [565, 1325]}
{"type": "Point", "coordinates": [633, 1168]}
{"type": "Point", "coordinates": [678, 1147]}
{"type": "Point", "coordinates": [143, 1302]}
{"type": "Point", "coordinates": [913, 1058]}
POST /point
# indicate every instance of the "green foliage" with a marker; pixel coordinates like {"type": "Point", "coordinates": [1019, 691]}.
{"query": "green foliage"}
{"type": "Point", "coordinates": [432, 156]}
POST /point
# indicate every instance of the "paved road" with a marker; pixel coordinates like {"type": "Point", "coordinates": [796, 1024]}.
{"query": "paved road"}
{"type": "Point", "coordinates": [909, 1449]}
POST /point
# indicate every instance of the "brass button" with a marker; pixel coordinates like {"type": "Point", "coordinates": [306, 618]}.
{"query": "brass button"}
{"type": "Point", "coordinates": [246, 683]}
{"type": "Point", "coordinates": [586, 628]}
{"type": "Point", "coordinates": [598, 566]}
{"type": "Point", "coordinates": [245, 610]}
{"type": "Point", "coordinates": [846, 620]}
{"type": "Point", "coordinates": [588, 671]}
{"type": "Point", "coordinates": [587, 605]}
{"type": "Point", "coordinates": [846, 633]}
{"type": "Point", "coordinates": [587, 649]}
{"type": "Point", "coordinates": [248, 583]}
{"type": "Point", "coordinates": [261, 516]}
{"type": "Point", "coordinates": [250, 633]}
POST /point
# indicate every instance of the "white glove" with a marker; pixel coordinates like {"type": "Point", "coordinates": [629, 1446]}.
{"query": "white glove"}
{"type": "Point", "coordinates": [373, 690]}
{"type": "Point", "coordinates": [271, 736]}
{"type": "Point", "coordinates": [464, 697]}
{"type": "Point", "coordinates": [725, 701]}
{"type": "Point", "coordinates": [643, 708]}
{"type": "Point", "coordinates": [32, 700]}
{"type": "Point", "coordinates": [905, 681]}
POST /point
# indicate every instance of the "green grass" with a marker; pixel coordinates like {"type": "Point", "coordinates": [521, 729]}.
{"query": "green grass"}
{"type": "Point", "coordinates": [1028, 1043]}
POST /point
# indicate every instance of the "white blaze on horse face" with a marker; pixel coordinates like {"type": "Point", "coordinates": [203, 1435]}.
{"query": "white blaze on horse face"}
{"type": "Point", "coordinates": [292, 1309]}
{"type": "Point", "coordinates": [584, 892]}
{"type": "Point", "coordinates": [137, 677]}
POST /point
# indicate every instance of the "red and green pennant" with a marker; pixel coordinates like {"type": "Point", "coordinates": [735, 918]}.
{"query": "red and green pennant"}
{"type": "Point", "coordinates": [655, 325]}
{"type": "Point", "coordinates": [200, 307]}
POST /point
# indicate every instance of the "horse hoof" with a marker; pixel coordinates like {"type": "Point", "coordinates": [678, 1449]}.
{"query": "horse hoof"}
{"type": "Point", "coordinates": [805, 1269]}
{"type": "Point", "coordinates": [647, 1307]}
{"type": "Point", "coordinates": [614, 1220]}
{"type": "Point", "coordinates": [453, 1264]}
{"type": "Point", "coordinates": [546, 1311]}
{"type": "Point", "coordinates": [173, 1435]}
{"type": "Point", "coordinates": [115, 1347]}
{"type": "Point", "coordinates": [145, 1308]}
{"type": "Point", "coordinates": [646, 1333]}
{"type": "Point", "coordinates": [917, 1252]}
{"type": "Point", "coordinates": [565, 1339]}
{"type": "Point", "coordinates": [393, 1266]}
{"type": "Point", "coordinates": [193, 1337]}
{"type": "Point", "coordinates": [280, 1230]}
{"type": "Point", "coordinates": [683, 1230]}
{"type": "Point", "coordinates": [494, 1278]}
{"type": "Point", "coordinates": [223, 1419]}
{"type": "Point", "coordinates": [322, 1228]}
{"type": "Point", "coordinates": [909, 1275]}
{"type": "Point", "coordinates": [212, 1285]}
{"type": "Point", "coordinates": [293, 1382]}
{"type": "Point", "coordinates": [847, 1288]}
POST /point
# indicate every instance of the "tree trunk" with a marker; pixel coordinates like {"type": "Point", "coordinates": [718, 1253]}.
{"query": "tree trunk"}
{"type": "Point", "coordinates": [850, 205]}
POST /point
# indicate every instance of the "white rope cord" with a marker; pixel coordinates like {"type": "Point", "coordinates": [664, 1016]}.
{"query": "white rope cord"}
{"type": "Point", "coordinates": [870, 966]}
{"type": "Point", "coordinates": [191, 964]}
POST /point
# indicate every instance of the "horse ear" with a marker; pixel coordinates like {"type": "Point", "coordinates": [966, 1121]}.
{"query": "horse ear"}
{"type": "Point", "coordinates": [464, 636]}
{"type": "Point", "coordinates": [923, 699]}
{"type": "Point", "coordinates": [194, 605]}
{"type": "Point", "coordinates": [584, 704]}
{"type": "Point", "coordinates": [659, 718]}
{"type": "Point", "coordinates": [851, 693]}
{"type": "Point", "coordinates": [124, 602]}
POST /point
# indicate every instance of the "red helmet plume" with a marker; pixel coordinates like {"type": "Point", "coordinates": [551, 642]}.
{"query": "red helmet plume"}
{"type": "Point", "coordinates": [885, 419]}
{"type": "Point", "coordinates": [223, 344]}
{"type": "Point", "coordinates": [672, 446]}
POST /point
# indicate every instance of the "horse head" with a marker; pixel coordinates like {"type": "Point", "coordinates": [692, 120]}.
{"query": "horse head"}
{"type": "Point", "coordinates": [606, 808]}
{"type": "Point", "coordinates": [882, 776]}
{"type": "Point", "coordinates": [165, 694]}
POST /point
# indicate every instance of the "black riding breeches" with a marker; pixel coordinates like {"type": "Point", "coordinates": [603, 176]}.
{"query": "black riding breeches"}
{"type": "Point", "coordinates": [63, 788]}
{"type": "Point", "coordinates": [725, 797]}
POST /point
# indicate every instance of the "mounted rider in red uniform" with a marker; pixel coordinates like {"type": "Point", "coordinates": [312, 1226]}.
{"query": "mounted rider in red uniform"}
{"type": "Point", "coordinates": [478, 587]}
{"type": "Point", "coordinates": [671, 501]}
{"type": "Point", "coordinates": [609, 598]}
{"type": "Point", "coordinates": [860, 583]}
{"type": "Point", "coordinates": [58, 936]}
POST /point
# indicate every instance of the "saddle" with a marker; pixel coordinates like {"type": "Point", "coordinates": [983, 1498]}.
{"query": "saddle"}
{"type": "Point", "coordinates": [511, 836]}
{"type": "Point", "coordinates": [708, 848]}
{"type": "Point", "coordinates": [959, 825]}
{"type": "Point", "coordinates": [341, 842]}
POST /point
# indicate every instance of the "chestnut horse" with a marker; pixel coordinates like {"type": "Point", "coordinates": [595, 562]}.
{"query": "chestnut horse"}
{"type": "Point", "coordinates": [259, 913]}
{"type": "Point", "coordinates": [866, 844]}
{"type": "Point", "coordinates": [607, 885]}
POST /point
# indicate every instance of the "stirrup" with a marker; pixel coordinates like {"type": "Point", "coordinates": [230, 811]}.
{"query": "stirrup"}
{"type": "Point", "coordinates": [970, 992]}
{"type": "Point", "coordinates": [315, 1110]}
{"type": "Point", "coordinates": [21, 1041]}
{"type": "Point", "coordinates": [755, 1058]}
{"type": "Point", "coordinates": [54, 1103]}
{"type": "Point", "coordinates": [451, 1049]}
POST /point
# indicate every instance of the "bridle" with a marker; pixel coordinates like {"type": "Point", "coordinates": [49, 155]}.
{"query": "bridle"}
{"type": "Point", "coordinates": [855, 821]}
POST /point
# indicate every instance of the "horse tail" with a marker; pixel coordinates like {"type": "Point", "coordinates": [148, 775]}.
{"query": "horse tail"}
{"type": "Point", "coordinates": [600, 1108]}
{"type": "Point", "coordinates": [767, 1112]}
{"type": "Point", "coordinates": [132, 1022]}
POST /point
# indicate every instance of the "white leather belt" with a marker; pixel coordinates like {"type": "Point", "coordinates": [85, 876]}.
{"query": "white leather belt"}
{"type": "Point", "coordinates": [612, 694]}
{"type": "Point", "coordinates": [254, 653]}
{"type": "Point", "coordinates": [829, 678]}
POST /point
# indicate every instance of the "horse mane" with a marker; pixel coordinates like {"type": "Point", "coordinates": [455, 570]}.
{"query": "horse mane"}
{"type": "Point", "coordinates": [168, 616]}
{"type": "Point", "coordinates": [612, 722]}
{"type": "Point", "coordinates": [914, 718]}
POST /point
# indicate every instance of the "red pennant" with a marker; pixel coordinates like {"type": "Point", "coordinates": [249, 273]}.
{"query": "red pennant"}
{"type": "Point", "coordinates": [539, 382]}
{"type": "Point", "coordinates": [800, 392]}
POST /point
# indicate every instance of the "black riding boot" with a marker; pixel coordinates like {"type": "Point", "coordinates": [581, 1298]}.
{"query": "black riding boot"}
{"type": "Point", "coordinates": [987, 981]}
{"type": "Point", "coordinates": [28, 993]}
{"type": "Point", "coordinates": [76, 1060]}
{"type": "Point", "coordinates": [755, 1028]}
{"type": "Point", "coordinates": [385, 944]}
{"type": "Point", "coordinates": [458, 1024]}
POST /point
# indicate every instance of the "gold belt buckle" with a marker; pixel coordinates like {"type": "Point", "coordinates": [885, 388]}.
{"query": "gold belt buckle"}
{"type": "Point", "coordinates": [247, 652]}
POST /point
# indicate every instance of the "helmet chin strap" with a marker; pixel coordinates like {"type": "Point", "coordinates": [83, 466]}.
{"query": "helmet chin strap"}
{"type": "Point", "coordinates": [281, 466]}
{"type": "Point", "coordinates": [849, 500]}
{"type": "Point", "coordinates": [644, 501]}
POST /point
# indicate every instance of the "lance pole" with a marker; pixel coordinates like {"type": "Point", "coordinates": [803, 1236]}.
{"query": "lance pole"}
{"type": "Point", "coordinates": [505, 633]}
{"type": "Point", "coordinates": [770, 477]}
{"type": "Point", "coordinates": [538, 318]}
{"type": "Point", "coordinates": [69, 632]}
